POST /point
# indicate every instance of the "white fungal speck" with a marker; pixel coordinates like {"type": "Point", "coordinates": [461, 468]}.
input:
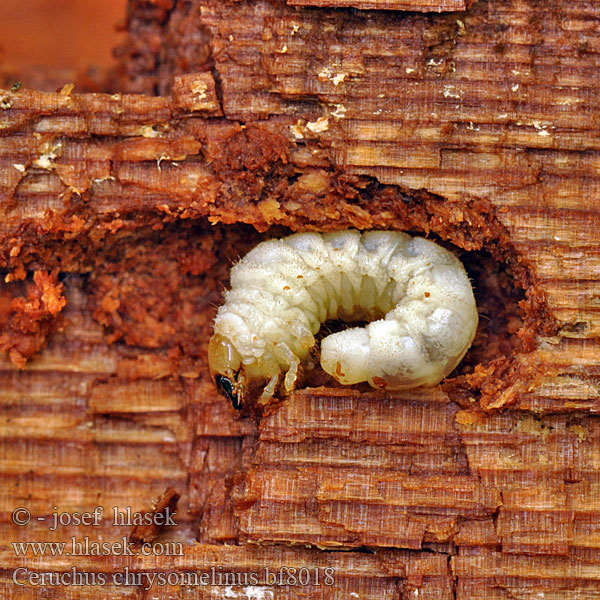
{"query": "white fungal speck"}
{"type": "Point", "coordinates": [542, 129]}
{"type": "Point", "coordinates": [199, 89]}
{"type": "Point", "coordinates": [409, 70]}
{"type": "Point", "coordinates": [340, 112]}
{"type": "Point", "coordinates": [102, 179]}
{"type": "Point", "coordinates": [451, 92]}
{"type": "Point", "coordinates": [337, 79]}
{"type": "Point", "coordinates": [318, 126]}
{"type": "Point", "coordinates": [324, 73]}
{"type": "Point", "coordinates": [515, 87]}
{"type": "Point", "coordinates": [415, 294]}
{"type": "Point", "coordinates": [45, 161]}
{"type": "Point", "coordinates": [19, 167]}
{"type": "Point", "coordinates": [327, 74]}
{"type": "Point", "coordinates": [48, 156]}
{"type": "Point", "coordinates": [297, 131]}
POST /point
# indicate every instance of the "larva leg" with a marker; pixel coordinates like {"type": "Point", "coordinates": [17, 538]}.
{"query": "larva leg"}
{"type": "Point", "coordinates": [294, 363]}
{"type": "Point", "coordinates": [270, 389]}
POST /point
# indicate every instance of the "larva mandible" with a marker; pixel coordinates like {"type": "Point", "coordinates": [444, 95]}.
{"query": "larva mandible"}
{"type": "Point", "coordinates": [416, 295]}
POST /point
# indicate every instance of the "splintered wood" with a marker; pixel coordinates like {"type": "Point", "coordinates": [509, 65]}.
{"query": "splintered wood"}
{"type": "Point", "coordinates": [480, 128]}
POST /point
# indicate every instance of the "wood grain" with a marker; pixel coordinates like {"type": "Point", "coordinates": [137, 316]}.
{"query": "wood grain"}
{"type": "Point", "coordinates": [414, 5]}
{"type": "Point", "coordinates": [480, 129]}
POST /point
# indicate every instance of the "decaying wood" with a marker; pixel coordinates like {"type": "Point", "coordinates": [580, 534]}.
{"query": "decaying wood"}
{"type": "Point", "coordinates": [416, 5]}
{"type": "Point", "coordinates": [196, 93]}
{"type": "Point", "coordinates": [155, 518]}
{"type": "Point", "coordinates": [480, 129]}
{"type": "Point", "coordinates": [28, 320]}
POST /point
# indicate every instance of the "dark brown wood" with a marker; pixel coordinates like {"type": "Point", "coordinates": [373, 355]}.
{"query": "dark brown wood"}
{"type": "Point", "coordinates": [151, 521]}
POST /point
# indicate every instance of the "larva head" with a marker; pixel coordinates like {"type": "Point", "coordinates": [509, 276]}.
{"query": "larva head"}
{"type": "Point", "coordinates": [225, 365]}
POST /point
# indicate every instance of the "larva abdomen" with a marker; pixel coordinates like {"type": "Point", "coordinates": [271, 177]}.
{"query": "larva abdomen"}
{"type": "Point", "coordinates": [416, 294]}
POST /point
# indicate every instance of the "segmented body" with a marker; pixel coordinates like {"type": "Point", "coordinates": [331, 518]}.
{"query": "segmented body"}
{"type": "Point", "coordinates": [416, 295]}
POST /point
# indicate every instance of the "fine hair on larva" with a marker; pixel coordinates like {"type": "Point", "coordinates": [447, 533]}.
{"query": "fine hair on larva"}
{"type": "Point", "coordinates": [415, 295]}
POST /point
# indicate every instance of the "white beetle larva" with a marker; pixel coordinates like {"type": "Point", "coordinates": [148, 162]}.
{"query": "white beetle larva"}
{"type": "Point", "coordinates": [416, 295]}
